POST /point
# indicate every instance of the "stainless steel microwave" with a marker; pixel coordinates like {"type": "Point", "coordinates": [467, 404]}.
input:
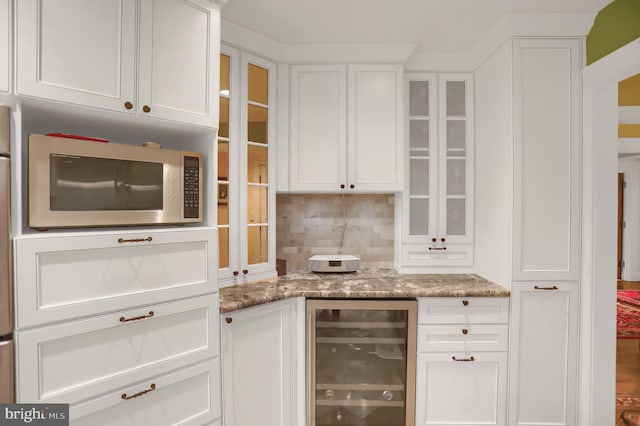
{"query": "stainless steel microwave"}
{"type": "Point", "coordinates": [86, 183]}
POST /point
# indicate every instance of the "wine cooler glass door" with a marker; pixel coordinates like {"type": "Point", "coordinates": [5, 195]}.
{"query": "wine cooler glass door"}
{"type": "Point", "coordinates": [361, 362]}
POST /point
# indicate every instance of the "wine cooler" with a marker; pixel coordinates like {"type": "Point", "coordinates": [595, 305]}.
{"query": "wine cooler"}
{"type": "Point", "coordinates": [361, 362]}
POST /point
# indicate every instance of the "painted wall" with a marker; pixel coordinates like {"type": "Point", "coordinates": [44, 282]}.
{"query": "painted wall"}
{"type": "Point", "coordinates": [629, 101]}
{"type": "Point", "coordinates": [615, 25]}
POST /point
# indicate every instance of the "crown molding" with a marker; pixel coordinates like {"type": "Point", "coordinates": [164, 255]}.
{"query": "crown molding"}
{"type": "Point", "coordinates": [509, 26]}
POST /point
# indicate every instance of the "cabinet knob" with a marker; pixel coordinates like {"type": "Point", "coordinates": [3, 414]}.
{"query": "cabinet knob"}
{"type": "Point", "coordinates": [342, 186]}
{"type": "Point", "coordinates": [245, 271]}
{"type": "Point", "coordinates": [443, 239]}
{"type": "Point", "coordinates": [235, 273]}
{"type": "Point", "coordinates": [146, 108]}
{"type": "Point", "coordinates": [433, 240]}
{"type": "Point", "coordinates": [352, 186]}
{"type": "Point", "coordinates": [128, 105]}
{"type": "Point", "coordinates": [229, 320]}
{"type": "Point", "coordinates": [465, 302]}
{"type": "Point", "coordinates": [465, 331]}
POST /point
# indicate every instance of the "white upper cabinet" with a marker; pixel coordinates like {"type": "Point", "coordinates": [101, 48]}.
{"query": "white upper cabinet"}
{"type": "Point", "coordinates": [546, 156]}
{"type": "Point", "coordinates": [346, 128]}
{"type": "Point", "coordinates": [375, 128]}
{"type": "Point", "coordinates": [86, 53]}
{"type": "Point", "coordinates": [5, 46]}
{"type": "Point", "coordinates": [77, 51]}
{"type": "Point", "coordinates": [179, 45]}
{"type": "Point", "coordinates": [318, 127]}
{"type": "Point", "coordinates": [437, 207]}
{"type": "Point", "coordinates": [246, 168]}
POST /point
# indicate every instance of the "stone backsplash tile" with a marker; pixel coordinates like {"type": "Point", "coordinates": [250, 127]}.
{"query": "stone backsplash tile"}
{"type": "Point", "coordinates": [361, 225]}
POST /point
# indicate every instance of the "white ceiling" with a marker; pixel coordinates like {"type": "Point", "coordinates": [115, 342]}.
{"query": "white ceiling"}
{"type": "Point", "coordinates": [433, 25]}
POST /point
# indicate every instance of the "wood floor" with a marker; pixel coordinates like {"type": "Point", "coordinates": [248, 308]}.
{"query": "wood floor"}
{"type": "Point", "coordinates": [628, 356]}
{"type": "Point", "coordinates": [628, 366]}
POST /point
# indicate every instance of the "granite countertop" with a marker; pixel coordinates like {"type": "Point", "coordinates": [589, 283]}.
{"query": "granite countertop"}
{"type": "Point", "coordinates": [387, 284]}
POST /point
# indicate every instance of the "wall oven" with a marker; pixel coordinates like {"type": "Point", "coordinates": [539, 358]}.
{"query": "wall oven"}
{"type": "Point", "coordinates": [85, 183]}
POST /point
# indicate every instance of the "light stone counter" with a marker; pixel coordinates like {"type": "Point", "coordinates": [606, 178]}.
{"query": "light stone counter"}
{"type": "Point", "coordinates": [378, 284]}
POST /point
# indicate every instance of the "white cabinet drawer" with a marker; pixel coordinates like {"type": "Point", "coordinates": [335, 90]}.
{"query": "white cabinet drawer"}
{"type": "Point", "coordinates": [421, 255]}
{"type": "Point", "coordinates": [68, 362]}
{"type": "Point", "coordinates": [67, 276]}
{"type": "Point", "coordinates": [464, 337]}
{"type": "Point", "coordinates": [190, 396]}
{"type": "Point", "coordinates": [463, 310]}
{"type": "Point", "coordinates": [461, 389]}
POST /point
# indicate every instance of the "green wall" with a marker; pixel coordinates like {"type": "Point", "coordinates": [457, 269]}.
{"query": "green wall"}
{"type": "Point", "coordinates": [615, 25]}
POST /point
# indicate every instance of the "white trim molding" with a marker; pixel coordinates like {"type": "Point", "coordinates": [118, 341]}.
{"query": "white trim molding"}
{"type": "Point", "coordinates": [556, 25]}
{"type": "Point", "coordinates": [598, 296]}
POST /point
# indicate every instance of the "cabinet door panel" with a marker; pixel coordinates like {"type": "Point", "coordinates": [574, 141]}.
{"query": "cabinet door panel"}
{"type": "Point", "coordinates": [188, 397]}
{"type": "Point", "coordinates": [454, 392]}
{"type": "Point", "coordinates": [63, 277]}
{"type": "Point", "coordinates": [463, 337]}
{"type": "Point", "coordinates": [463, 310]}
{"type": "Point", "coordinates": [114, 349]}
{"type": "Point", "coordinates": [375, 131]}
{"type": "Point", "coordinates": [77, 51]}
{"type": "Point", "coordinates": [255, 359]}
{"type": "Point", "coordinates": [179, 61]}
{"type": "Point", "coordinates": [318, 127]}
{"type": "Point", "coordinates": [543, 353]}
{"type": "Point", "coordinates": [546, 153]}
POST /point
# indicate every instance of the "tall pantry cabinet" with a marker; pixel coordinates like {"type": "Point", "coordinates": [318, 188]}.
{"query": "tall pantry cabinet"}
{"type": "Point", "coordinates": [528, 204]}
{"type": "Point", "coordinates": [136, 308]}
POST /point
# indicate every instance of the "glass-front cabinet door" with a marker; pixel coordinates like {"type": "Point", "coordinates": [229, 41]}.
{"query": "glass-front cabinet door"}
{"type": "Point", "coordinates": [246, 197]}
{"type": "Point", "coordinates": [361, 362]}
{"type": "Point", "coordinates": [226, 146]}
{"type": "Point", "coordinates": [437, 208]}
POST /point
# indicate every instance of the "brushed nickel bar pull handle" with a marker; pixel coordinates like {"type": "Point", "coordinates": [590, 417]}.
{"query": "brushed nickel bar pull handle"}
{"type": "Point", "coordinates": [135, 395]}
{"type": "Point", "coordinates": [134, 240]}
{"type": "Point", "coordinates": [463, 359]}
{"type": "Point", "coordinates": [149, 315]}
{"type": "Point", "coordinates": [545, 288]}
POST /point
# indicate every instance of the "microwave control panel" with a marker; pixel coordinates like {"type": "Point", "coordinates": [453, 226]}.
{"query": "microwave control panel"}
{"type": "Point", "coordinates": [191, 187]}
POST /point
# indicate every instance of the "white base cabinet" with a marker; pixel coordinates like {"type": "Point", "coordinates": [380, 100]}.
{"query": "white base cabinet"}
{"type": "Point", "coordinates": [461, 372]}
{"type": "Point", "coordinates": [66, 276]}
{"type": "Point", "coordinates": [187, 397]}
{"type": "Point", "coordinates": [123, 326]}
{"type": "Point", "coordinates": [260, 365]}
{"type": "Point", "coordinates": [543, 350]}
{"type": "Point", "coordinates": [461, 388]}
{"type": "Point", "coordinates": [67, 361]}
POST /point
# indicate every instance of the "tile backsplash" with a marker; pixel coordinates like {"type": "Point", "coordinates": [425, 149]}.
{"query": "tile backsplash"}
{"type": "Point", "coordinates": [360, 225]}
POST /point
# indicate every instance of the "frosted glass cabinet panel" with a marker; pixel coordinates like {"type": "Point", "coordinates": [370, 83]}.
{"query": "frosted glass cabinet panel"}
{"type": "Point", "coordinates": [361, 362]}
{"type": "Point", "coordinates": [439, 204]}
